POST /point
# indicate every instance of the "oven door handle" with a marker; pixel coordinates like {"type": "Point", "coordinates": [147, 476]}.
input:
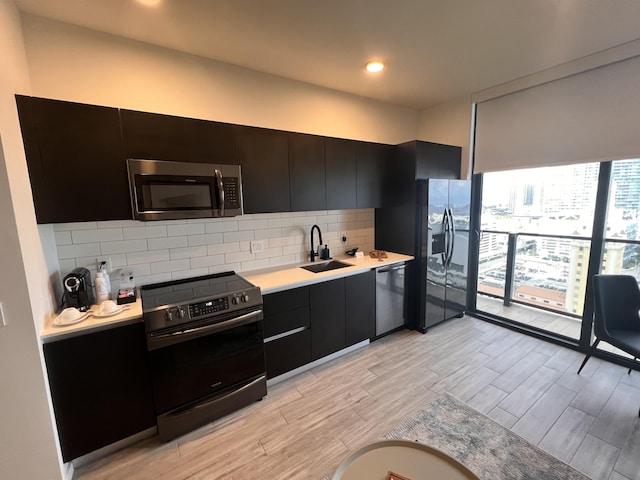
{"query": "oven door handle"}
{"type": "Point", "coordinates": [155, 342]}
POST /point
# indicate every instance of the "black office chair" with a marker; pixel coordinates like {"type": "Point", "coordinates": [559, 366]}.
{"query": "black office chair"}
{"type": "Point", "coordinates": [617, 314]}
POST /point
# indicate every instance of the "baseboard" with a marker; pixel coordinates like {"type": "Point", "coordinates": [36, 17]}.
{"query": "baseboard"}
{"type": "Point", "coordinates": [315, 363]}
{"type": "Point", "coordinates": [114, 447]}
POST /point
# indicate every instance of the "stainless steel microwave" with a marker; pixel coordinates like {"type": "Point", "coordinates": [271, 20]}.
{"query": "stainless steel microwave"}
{"type": "Point", "coordinates": [163, 190]}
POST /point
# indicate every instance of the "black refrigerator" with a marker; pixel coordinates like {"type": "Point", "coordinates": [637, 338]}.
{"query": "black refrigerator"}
{"type": "Point", "coordinates": [443, 209]}
{"type": "Point", "coordinates": [432, 224]}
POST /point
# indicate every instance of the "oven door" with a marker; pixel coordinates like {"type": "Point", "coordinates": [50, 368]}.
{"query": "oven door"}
{"type": "Point", "coordinates": [194, 363]}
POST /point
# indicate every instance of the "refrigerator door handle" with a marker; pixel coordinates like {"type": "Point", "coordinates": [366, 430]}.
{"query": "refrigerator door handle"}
{"type": "Point", "coordinates": [452, 235]}
{"type": "Point", "coordinates": [445, 227]}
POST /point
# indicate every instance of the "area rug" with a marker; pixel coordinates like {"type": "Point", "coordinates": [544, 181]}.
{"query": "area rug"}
{"type": "Point", "coordinates": [482, 445]}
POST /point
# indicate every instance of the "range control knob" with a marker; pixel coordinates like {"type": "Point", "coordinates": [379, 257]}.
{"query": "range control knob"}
{"type": "Point", "coordinates": [244, 298]}
{"type": "Point", "coordinates": [234, 300]}
{"type": "Point", "coordinates": [168, 315]}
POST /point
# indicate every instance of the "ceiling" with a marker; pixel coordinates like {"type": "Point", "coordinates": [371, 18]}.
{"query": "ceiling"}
{"type": "Point", "coordinates": [435, 50]}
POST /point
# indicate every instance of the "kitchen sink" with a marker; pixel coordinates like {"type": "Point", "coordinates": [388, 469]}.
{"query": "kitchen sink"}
{"type": "Point", "coordinates": [325, 266]}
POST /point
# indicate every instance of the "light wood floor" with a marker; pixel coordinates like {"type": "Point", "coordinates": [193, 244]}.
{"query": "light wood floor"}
{"type": "Point", "coordinates": [308, 424]}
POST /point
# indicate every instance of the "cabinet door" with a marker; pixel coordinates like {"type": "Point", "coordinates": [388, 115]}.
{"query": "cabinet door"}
{"type": "Point", "coordinates": [100, 388]}
{"type": "Point", "coordinates": [285, 311]}
{"type": "Point", "coordinates": [372, 165]}
{"type": "Point", "coordinates": [265, 170]}
{"type": "Point", "coordinates": [360, 293]}
{"type": "Point", "coordinates": [307, 172]}
{"type": "Point", "coordinates": [286, 353]}
{"type": "Point", "coordinates": [78, 172]}
{"type": "Point", "coordinates": [340, 161]}
{"type": "Point", "coordinates": [212, 142]}
{"type": "Point", "coordinates": [327, 317]}
{"type": "Point", "coordinates": [153, 136]}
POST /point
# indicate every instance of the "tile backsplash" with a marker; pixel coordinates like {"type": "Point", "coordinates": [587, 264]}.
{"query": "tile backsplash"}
{"type": "Point", "coordinates": [169, 250]}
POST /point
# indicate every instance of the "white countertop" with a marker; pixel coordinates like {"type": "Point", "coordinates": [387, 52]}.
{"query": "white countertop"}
{"type": "Point", "coordinates": [291, 276]}
{"type": "Point", "coordinates": [91, 324]}
{"type": "Point", "coordinates": [269, 280]}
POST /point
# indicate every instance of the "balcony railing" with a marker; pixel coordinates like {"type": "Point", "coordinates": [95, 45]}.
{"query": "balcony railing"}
{"type": "Point", "coordinates": [545, 271]}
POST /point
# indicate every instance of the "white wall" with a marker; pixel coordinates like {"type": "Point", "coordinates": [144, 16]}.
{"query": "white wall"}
{"type": "Point", "coordinates": [76, 64]}
{"type": "Point", "coordinates": [27, 439]}
{"type": "Point", "coordinates": [449, 123]}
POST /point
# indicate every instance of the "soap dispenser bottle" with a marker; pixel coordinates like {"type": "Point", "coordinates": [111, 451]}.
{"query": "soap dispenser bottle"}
{"type": "Point", "coordinates": [102, 291]}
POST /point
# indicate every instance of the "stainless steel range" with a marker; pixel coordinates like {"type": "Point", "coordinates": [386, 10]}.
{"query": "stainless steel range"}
{"type": "Point", "coordinates": [206, 349]}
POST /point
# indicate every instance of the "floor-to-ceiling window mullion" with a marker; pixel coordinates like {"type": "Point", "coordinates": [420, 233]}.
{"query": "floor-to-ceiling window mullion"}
{"type": "Point", "coordinates": [596, 251]}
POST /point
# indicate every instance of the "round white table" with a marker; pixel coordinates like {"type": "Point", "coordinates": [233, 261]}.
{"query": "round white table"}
{"type": "Point", "coordinates": [411, 460]}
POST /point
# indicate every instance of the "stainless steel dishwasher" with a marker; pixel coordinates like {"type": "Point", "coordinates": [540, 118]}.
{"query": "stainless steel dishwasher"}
{"type": "Point", "coordinates": [390, 303]}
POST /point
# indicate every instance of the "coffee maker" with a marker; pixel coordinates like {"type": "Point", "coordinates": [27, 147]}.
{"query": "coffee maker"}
{"type": "Point", "coordinates": [77, 289]}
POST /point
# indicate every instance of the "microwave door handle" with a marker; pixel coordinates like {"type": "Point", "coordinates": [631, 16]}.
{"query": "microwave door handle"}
{"type": "Point", "coordinates": [220, 191]}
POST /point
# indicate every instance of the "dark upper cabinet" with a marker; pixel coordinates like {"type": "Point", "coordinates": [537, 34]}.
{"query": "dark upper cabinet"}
{"type": "Point", "coordinates": [373, 164]}
{"type": "Point", "coordinates": [75, 160]}
{"type": "Point", "coordinates": [360, 298]}
{"type": "Point", "coordinates": [100, 388]}
{"type": "Point", "coordinates": [307, 172]}
{"type": "Point", "coordinates": [327, 301]}
{"type": "Point", "coordinates": [154, 136]}
{"type": "Point", "coordinates": [211, 142]}
{"type": "Point", "coordinates": [341, 176]}
{"type": "Point", "coordinates": [265, 170]}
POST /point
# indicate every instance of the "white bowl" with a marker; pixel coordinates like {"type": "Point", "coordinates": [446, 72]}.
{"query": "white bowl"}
{"type": "Point", "coordinates": [107, 307]}
{"type": "Point", "coordinates": [69, 314]}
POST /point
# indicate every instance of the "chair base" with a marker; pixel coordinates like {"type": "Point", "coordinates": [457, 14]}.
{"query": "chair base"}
{"type": "Point", "coordinates": [589, 353]}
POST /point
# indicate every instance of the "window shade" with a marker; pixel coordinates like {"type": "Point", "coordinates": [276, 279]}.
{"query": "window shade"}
{"type": "Point", "coordinates": [587, 117]}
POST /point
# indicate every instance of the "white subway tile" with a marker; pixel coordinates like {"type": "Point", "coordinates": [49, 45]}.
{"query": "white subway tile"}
{"type": "Point", "coordinates": [66, 266]}
{"type": "Point", "coordinates": [238, 257]}
{"type": "Point", "coordinates": [172, 222]}
{"type": "Point", "coordinates": [188, 252]}
{"type": "Point", "coordinates": [269, 233]}
{"type": "Point", "coordinates": [296, 231]}
{"type": "Point", "coordinates": [269, 253]}
{"type": "Point", "coordinates": [289, 214]}
{"type": "Point", "coordinates": [255, 264]}
{"type": "Point", "coordinates": [170, 266]}
{"type": "Point", "coordinates": [223, 248]}
{"type": "Point", "coordinates": [207, 261]}
{"type": "Point", "coordinates": [235, 267]}
{"type": "Point", "coordinates": [280, 222]}
{"type": "Point", "coordinates": [194, 272]}
{"type": "Point", "coordinates": [119, 223]}
{"type": "Point", "coordinates": [324, 219]}
{"type": "Point", "coordinates": [154, 231]}
{"type": "Point", "coordinates": [206, 239]}
{"type": "Point", "coordinates": [153, 278]}
{"type": "Point", "coordinates": [280, 242]}
{"type": "Point", "coordinates": [185, 229]}
{"type": "Point", "coordinates": [148, 257]}
{"type": "Point", "coordinates": [125, 246]}
{"type": "Point", "coordinates": [246, 235]}
{"type": "Point", "coordinates": [62, 237]}
{"type": "Point", "coordinates": [306, 222]}
{"type": "Point", "coordinates": [284, 260]}
{"type": "Point", "coordinates": [92, 236]}
{"type": "Point", "coordinates": [252, 224]}
{"type": "Point", "coordinates": [80, 250]}
{"type": "Point", "coordinates": [220, 227]}
{"type": "Point", "coordinates": [293, 250]}
{"type": "Point", "coordinates": [118, 260]}
{"type": "Point", "coordinates": [139, 270]}
{"type": "Point", "coordinates": [75, 226]}
{"type": "Point", "coordinates": [167, 242]}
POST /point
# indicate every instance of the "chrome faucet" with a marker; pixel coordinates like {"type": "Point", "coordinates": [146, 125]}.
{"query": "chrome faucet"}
{"type": "Point", "coordinates": [313, 254]}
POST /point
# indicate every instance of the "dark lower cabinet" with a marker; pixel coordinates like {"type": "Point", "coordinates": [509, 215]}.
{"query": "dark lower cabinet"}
{"type": "Point", "coordinates": [327, 301]}
{"type": "Point", "coordinates": [288, 353]}
{"type": "Point", "coordinates": [287, 311]}
{"type": "Point", "coordinates": [100, 388]}
{"type": "Point", "coordinates": [360, 307]}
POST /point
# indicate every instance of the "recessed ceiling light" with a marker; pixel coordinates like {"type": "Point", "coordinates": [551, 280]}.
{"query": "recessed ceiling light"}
{"type": "Point", "coordinates": [375, 66]}
{"type": "Point", "coordinates": [150, 3]}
